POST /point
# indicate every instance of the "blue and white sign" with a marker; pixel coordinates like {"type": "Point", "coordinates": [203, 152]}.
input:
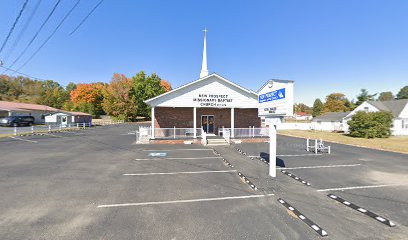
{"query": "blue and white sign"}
{"type": "Point", "coordinates": [275, 99]}
{"type": "Point", "coordinates": [272, 96]}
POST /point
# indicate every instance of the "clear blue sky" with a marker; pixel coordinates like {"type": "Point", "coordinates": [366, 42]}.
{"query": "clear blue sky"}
{"type": "Point", "coordinates": [325, 46]}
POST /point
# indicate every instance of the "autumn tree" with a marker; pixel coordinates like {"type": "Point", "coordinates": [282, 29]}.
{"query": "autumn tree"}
{"type": "Point", "coordinates": [336, 102]}
{"type": "Point", "coordinates": [301, 107]}
{"type": "Point", "coordinates": [317, 107]}
{"type": "Point", "coordinates": [146, 87]}
{"type": "Point", "coordinates": [119, 98]}
{"type": "Point", "coordinates": [166, 85]}
{"type": "Point", "coordinates": [88, 98]}
{"type": "Point", "coordinates": [385, 96]}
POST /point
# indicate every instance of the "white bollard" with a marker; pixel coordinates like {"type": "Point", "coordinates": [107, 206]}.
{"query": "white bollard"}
{"type": "Point", "coordinates": [315, 146]}
{"type": "Point", "coordinates": [272, 151]}
{"type": "Point", "coordinates": [15, 131]}
{"type": "Point", "coordinates": [307, 144]}
{"type": "Point", "coordinates": [49, 128]}
{"type": "Point", "coordinates": [32, 129]}
{"type": "Point", "coordinates": [174, 132]}
{"type": "Point", "coordinates": [328, 150]}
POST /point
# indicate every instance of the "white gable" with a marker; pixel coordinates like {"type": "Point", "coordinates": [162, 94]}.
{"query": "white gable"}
{"type": "Point", "coordinates": [210, 92]}
{"type": "Point", "coordinates": [365, 107]}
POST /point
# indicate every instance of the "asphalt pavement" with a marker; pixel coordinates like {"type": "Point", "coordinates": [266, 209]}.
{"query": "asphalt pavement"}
{"type": "Point", "coordinates": [98, 184]}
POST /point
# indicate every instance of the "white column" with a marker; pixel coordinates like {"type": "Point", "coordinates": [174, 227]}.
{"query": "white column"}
{"type": "Point", "coordinates": [195, 121]}
{"type": "Point", "coordinates": [232, 122]}
{"type": "Point", "coordinates": [152, 122]}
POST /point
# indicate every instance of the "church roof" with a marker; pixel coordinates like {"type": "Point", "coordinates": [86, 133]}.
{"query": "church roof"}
{"type": "Point", "coordinates": [200, 80]}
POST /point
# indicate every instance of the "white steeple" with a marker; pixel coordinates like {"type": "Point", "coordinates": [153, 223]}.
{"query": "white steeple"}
{"type": "Point", "coordinates": [204, 70]}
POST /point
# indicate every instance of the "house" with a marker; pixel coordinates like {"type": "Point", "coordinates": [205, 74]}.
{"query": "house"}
{"type": "Point", "coordinates": [331, 121]}
{"type": "Point", "coordinates": [398, 108]}
{"type": "Point", "coordinates": [25, 109]}
{"type": "Point", "coordinates": [66, 118]}
{"type": "Point", "coordinates": [302, 116]}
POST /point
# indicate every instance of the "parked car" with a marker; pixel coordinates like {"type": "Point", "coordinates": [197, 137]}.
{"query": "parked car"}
{"type": "Point", "coordinates": [16, 121]}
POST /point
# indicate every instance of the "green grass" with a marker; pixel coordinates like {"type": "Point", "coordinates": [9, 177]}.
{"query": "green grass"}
{"type": "Point", "coordinates": [394, 143]}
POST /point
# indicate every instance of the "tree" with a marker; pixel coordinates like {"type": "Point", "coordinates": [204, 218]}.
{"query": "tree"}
{"type": "Point", "coordinates": [370, 124]}
{"type": "Point", "coordinates": [166, 85]}
{"type": "Point", "coordinates": [336, 102]}
{"type": "Point", "coordinates": [300, 107]}
{"type": "Point", "coordinates": [317, 107]}
{"type": "Point", "coordinates": [403, 93]}
{"type": "Point", "coordinates": [53, 94]}
{"type": "Point", "coordinates": [385, 96]}
{"type": "Point", "coordinates": [364, 96]}
{"type": "Point", "coordinates": [88, 98]}
{"type": "Point", "coordinates": [146, 87]}
{"type": "Point", "coordinates": [119, 98]}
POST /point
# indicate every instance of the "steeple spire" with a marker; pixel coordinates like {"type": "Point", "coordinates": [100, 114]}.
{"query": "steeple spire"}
{"type": "Point", "coordinates": [204, 70]}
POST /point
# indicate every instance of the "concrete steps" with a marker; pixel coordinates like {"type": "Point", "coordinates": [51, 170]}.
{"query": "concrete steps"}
{"type": "Point", "coordinates": [216, 141]}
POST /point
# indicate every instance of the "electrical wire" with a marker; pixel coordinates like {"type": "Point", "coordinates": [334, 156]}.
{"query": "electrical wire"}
{"type": "Point", "coordinates": [50, 36]}
{"type": "Point", "coordinates": [22, 30]}
{"type": "Point", "coordinates": [87, 16]}
{"type": "Point", "coordinates": [13, 26]}
{"type": "Point", "coordinates": [35, 35]}
{"type": "Point", "coordinates": [15, 71]}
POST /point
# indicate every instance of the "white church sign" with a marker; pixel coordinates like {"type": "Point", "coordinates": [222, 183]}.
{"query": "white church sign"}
{"type": "Point", "coordinates": [275, 98]}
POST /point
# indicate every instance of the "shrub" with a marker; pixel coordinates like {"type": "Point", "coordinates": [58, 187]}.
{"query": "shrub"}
{"type": "Point", "coordinates": [370, 125]}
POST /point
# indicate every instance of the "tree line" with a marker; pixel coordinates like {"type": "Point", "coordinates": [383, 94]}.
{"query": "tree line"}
{"type": "Point", "coordinates": [338, 102]}
{"type": "Point", "coordinates": [122, 98]}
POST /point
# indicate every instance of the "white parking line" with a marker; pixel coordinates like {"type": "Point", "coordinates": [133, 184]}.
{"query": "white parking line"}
{"type": "Point", "coordinates": [359, 187]}
{"type": "Point", "coordinates": [324, 166]}
{"type": "Point", "coordinates": [170, 150]}
{"type": "Point", "coordinates": [156, 159]}
{"type": "Point", "coordinates": [52, 135]}
{"type": "Point", "coordinates": [183, 201]}
{"type": "Point", "coordinates": [299, 155]}
{"type": "Point", "coordinates": [293, 155]}
{"type": "Point", "coordinates": [25, 140]}
{"type": "Point", "coordinates": [174, 173]}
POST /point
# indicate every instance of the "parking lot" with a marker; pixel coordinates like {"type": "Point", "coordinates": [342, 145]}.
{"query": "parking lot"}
{"type": "Point", "coordinates": [98, 184]}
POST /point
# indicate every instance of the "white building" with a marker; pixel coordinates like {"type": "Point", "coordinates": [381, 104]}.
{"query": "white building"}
{"type": "Point", "coordinates": [25, 109]}
{"type": "Point", "coordinates": [66, 118]}
{"type": "Point", "coordinates": [398, 108]}
{"type": "Point", "coordinates": [337, 121]}
{"type": "Point", "coordinates": [331, 121]}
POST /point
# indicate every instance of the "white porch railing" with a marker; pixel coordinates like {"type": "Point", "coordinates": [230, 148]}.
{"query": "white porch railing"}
{"type": "Point", "coordinates": [226, 134]}
{"type": "Point", "coordinates": [250, 132]}
{"type": "Point", "coordinates": [203, 137]}
{"type": "Point", "coordinates": [175, 133]}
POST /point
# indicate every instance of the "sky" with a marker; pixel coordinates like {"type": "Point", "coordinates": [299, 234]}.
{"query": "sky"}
{"type": "Point", "coordinates": [324, 46]}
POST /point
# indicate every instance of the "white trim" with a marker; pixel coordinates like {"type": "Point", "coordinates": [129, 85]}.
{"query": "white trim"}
{"type": "Point", "coordinates": [199, 80]}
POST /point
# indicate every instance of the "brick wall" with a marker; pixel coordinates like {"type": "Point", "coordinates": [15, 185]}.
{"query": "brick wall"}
{"type": "Point", "coordinates": [183, 117]}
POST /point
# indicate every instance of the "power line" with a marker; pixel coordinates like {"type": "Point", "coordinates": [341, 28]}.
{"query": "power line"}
{"type": "Point", "coordinates": [89, 14]}
{"type": "Point", "coordinates": [35, 35]}
{"type": "Point", "coordinates": [22, 30]}
{"type": "Point", "coordinates": [15, 71]}
{"type": "Point", "coordinates": [13, 26]}
{"type": "Point", "coordinates": [52, 34]}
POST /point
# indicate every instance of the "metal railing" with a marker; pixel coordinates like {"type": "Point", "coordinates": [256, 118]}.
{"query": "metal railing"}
{"type": "Point", "coordinates": [106, 122]}
{"type": "Point", "coordinates": [203, 137]}
{"type": "Point", "coordinates": [175, 133]}
{"type": "Point", "coordinates": [46, 128]}
{"type": "Point", "coordinates": [250, 132]}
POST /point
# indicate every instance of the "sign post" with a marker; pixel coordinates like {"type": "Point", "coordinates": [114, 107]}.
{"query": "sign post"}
{"type": "Point", "coordinates": [275, 101]}
{"type": "Point", "coordinates": [272, 150]}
